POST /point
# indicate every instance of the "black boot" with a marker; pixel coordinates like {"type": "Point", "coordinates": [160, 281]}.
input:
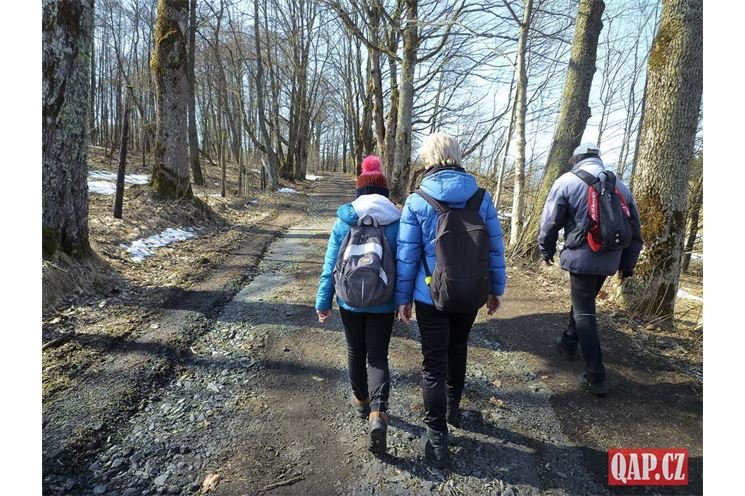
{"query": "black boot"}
{"type": "Point", "coordinates": [454, 416]}
{"type": "Point", "coordinates": [435, 447]}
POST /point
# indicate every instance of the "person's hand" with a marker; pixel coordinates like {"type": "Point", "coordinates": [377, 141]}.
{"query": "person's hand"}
{"type": "Point", "coordinates": [549, 261]}
{"type": "Point", "coordinates": [323, 315]}
{"type": "Point", "coordinates": [493, 302]}
{"type": "Point", "coordinates": [404, 313]}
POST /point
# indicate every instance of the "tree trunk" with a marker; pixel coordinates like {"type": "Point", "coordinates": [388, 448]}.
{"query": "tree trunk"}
{"type": "Point", "coordinates": [665, 155]}
{"type": "Point", "coordinates": [574, 111]}
{"type": "Point", "coordinates": [271, 167]}
{"type": "Point", "coordinates": [696, 204]}
{"type": "Point", "coordinates": [196, 168]}
{"type": "Point", "coordinates": [377, 81]}
{"type": "Point", "coordinates": [392, 118]}
{"type": "Point", "coordinates": [67, 27]}
{"type": "Point", "coordinates": [402, 153]}
{"type": "Point", "coordinates": [169, 62]}
{"type": "Point", "coordinates": [119, 194]}
{"type": "Point", "coordinates": [518, 200]}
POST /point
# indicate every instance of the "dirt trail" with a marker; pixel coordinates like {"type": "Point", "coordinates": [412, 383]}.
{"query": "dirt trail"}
{"type": "Point", "coordinates": [260, 402]}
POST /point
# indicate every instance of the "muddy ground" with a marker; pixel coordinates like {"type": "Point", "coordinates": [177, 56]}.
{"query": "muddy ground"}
{"type": "Point", "coordinates": [222, 381]}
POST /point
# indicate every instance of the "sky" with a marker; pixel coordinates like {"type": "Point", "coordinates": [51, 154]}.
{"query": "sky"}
{"type": "Point", "coordinates": [21, 252]}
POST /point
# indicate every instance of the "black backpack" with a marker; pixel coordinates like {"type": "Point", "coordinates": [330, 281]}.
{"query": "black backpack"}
{"type": "Point", "coordinates": [461, 279]}
{"type": "Point", "coordinates": [608, 217]}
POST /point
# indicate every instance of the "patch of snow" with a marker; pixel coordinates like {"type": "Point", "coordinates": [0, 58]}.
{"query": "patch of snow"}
{"type": "Point", "coordinates": [215, 195]}
{"type": "Point", "coordinates": [697, 256]}
{"type": "Point", "coordinates": [104, 183]}
{"type": "Point", "coordinates": [142, 248]}
{"type": "Point", "coordinates": [682, 293]}
{"type": "Point", "coordinates": [311, 177]}
{"type": "Point", "coordinates": [504, 215]}
{"type": "Point", "coordinates": [286, 190]}
{"type": "Point", "coordinates": [101, 187]}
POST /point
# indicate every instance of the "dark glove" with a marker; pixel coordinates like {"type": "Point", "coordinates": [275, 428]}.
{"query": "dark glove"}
{"type": "Point", "coordinates": [625, 274]}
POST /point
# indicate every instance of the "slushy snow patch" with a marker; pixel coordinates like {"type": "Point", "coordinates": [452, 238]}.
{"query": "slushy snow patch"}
{"type": "Point", "coordinates": [311, 177]}
{"type": "Point", "coordinates": [104, 183]}
{"type": "Point", "coordinates": [286, 190]}
{"type": "Point", "coordinates": [101, 187]}
{"type": "Point", "coordinates": [682, 293]}
{"type": "Point", "coordinates": [140, 249]}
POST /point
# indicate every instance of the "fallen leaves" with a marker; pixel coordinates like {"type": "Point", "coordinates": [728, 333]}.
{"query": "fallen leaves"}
{"type": "Point", "coordinates": [498, 403]}
{"type": "Point", "coordinates": [210, 483]}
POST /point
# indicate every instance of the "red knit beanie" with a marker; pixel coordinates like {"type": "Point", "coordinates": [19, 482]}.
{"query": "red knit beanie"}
{"type": "Point", "coordinates": [372, 180]}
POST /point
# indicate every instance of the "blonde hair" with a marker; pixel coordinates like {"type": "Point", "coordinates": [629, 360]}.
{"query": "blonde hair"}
{"type": "Point", "coordinates": [439, 149]}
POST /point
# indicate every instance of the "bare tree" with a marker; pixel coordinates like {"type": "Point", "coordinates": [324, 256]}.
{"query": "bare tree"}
{"type": "Point", "coordinates": [196, 168]}
{"type": "Point", "coordinates": [518, 197]}
{"type": "Point", "coordinates": [666, 146]}
{"type": "Point", "coordinates": [67, 28]}
{"type": "Point", "coordinates": [169, 62]}
{"type": "Point", "coordinates": [574, 111]}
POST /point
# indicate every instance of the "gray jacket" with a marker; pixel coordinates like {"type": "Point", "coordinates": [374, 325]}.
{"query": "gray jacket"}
{"type": "Point", "coordinates": [566, 207]}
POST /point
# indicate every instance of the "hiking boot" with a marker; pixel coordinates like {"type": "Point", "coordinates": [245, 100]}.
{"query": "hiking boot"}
{"type": "Point", "coordinates": [569, 352]}
{"type": "Point", "coordinates": [435, 448]}
{"type": "Point", "coordinates": [455, 416]}
{"type": "Point", "coordinates": [362, 407]}
{"type": "Point", "coordinates": [378, 424]}
{"type": "Point", "coordinates": [598, 388]}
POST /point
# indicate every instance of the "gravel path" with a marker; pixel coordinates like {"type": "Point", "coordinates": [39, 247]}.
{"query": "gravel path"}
{"type": "Point", "coordinates": [260, 402]}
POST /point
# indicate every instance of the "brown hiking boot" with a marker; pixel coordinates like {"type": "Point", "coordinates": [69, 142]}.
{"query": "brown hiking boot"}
{"type": "Point", "coordinates": [378, 427]}
{"type": "Point", "coordinates": [362, 407]}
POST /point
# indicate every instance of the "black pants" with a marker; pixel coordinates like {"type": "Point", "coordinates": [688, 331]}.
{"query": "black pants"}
{"type": "Point", "coordinates": [583, 325]}
{"type": "Point", "coordinates": [368, 336]}
{"type": "Point", "coordinates": [444, 348]}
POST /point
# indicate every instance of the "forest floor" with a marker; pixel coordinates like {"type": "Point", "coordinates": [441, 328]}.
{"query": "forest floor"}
{"type": "Point", "coordinates": [204, 370]}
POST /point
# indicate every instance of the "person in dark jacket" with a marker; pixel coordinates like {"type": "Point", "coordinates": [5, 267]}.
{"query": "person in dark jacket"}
{"type": "Point", "coordinates": [367, 330]}
{"type": "Point", "coordinates": [444, 336]}
{"type": "Point", "coordinates": [566, 208]}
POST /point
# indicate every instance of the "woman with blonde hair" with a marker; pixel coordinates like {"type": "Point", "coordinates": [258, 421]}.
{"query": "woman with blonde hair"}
{"type": "Point", "coordinates": [446, 303]}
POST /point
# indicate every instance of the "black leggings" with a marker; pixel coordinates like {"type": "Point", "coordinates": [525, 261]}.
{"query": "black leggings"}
{"type": "Point", "coordinates": [368, 336]}
{"type": "Point", "coordinates": [445, 351]}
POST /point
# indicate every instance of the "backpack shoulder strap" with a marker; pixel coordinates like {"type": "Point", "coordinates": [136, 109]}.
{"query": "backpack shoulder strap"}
{"type": "Point", "coordinates": [474, 203]}
{"type": "Point", "coordinates": [588, 178]}
{"type": "Point", "coordinates": [439, 206]}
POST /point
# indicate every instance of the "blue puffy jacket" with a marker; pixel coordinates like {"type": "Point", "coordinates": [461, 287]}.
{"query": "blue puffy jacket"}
{"type": "Point", "coordinates": [418, 230]}
{"type": "Point", "coordinates": [386, 213]}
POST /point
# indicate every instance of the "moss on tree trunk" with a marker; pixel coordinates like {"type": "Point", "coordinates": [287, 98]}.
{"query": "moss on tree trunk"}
{"type": "Point", "coordinates": [169, 67]}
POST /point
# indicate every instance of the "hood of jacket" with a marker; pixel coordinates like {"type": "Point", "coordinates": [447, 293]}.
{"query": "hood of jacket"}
{"type": "Point", "coordinates": [593, 165]}
{"type": "Point", "coordinates": [376, 206]}
{"type": "Point", "coordinates": [450, 186]}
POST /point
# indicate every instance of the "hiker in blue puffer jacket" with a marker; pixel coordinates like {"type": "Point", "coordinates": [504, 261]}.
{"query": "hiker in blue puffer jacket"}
{"type": "Point", "coordinates": [367, 330]}
{"type": "Point", "coordinates": [566, 208]}
{"type": "Point", "coordinates": [444, 335]}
